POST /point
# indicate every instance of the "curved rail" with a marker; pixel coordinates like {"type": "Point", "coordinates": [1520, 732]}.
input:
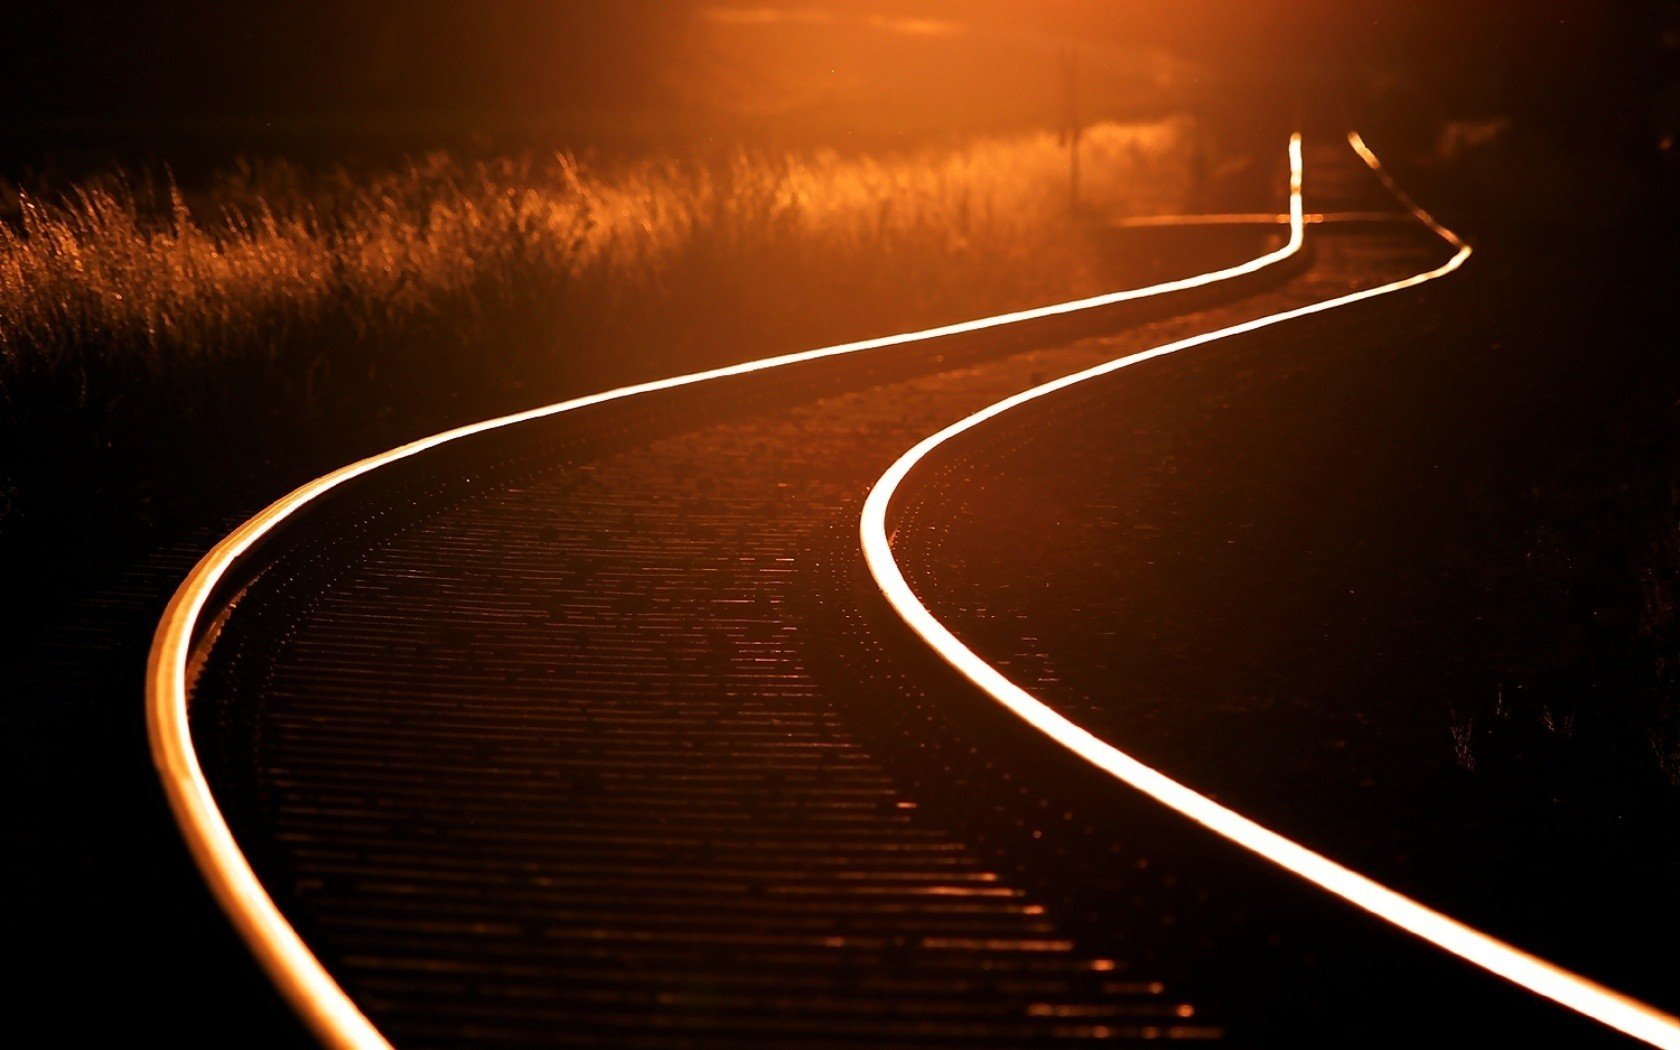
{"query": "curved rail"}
{"type": "Point", "coordinates": [300, 977]}
{"type": "Point", "coordinates": [1621, 1012]}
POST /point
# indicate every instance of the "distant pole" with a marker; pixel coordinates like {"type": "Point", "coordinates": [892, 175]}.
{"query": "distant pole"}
{"type": "Point", "coordinates": [1072, 128]}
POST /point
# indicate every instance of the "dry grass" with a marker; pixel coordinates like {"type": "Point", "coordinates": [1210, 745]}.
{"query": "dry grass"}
{"type": "Point", "coordinates": [280, 320]}
{"type": "Point", "coordinates": [108, 265]}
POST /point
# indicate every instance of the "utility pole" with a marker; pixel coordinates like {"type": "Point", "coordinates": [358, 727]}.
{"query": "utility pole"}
{"type": "Point", "coordinates": [1072, 128]}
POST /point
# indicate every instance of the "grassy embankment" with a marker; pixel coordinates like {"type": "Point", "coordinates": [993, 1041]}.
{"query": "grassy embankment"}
{"type": "Point", "coordinates": [1581, 616]}
{"type": "Point", "coordinates": [166, 357]}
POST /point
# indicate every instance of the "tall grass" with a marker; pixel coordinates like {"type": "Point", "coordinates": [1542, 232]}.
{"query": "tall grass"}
{"type": "Point", "coordinates": [157, 347]}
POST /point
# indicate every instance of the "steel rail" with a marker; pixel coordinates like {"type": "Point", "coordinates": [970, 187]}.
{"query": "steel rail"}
{"type": "Point", "coordinates": [1263, 218]}
{"type": "Point", "coordinates": [1621, 1012]}
{"type": "Point", "coordinates": [325, 1008]}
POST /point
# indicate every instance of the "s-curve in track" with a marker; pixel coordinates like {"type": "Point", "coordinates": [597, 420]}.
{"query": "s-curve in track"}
{"type": "Point", "coordinates": [590, 726]}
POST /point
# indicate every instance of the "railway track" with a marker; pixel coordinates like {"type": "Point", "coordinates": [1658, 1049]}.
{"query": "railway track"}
{"type": "Point", "coordinates": [589, 728]}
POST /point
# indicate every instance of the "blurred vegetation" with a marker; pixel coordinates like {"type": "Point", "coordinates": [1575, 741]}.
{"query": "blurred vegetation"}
{"type": "Point", "coordinates": [1574, 577]}
{"type": "Point", "coordinates": [163, 354]}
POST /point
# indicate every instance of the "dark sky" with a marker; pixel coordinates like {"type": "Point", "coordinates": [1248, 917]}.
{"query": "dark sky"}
{"type": "Point", "coordinates": [234, 56]}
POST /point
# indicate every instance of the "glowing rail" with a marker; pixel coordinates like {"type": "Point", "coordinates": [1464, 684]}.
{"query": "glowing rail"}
{"type": "Point", "coordinates": [296, 972]}
{"type": "Point", "coordinates": [1262, 218]}
{"type": "Point", "coordinates": [1594, 1000]}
